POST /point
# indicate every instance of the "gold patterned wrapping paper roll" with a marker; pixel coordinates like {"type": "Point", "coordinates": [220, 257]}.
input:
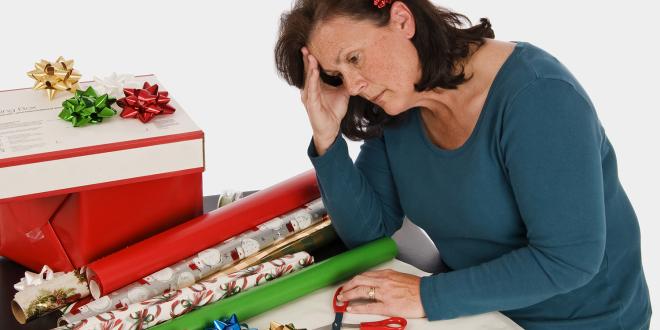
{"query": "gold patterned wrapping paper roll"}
{"type": "Point", "coordinates": [308, 239]}
{"type": "Point", "coordinates": [49, 296]}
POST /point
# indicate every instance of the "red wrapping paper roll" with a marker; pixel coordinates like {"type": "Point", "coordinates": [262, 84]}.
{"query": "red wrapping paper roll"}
{"type": "Point", "coordinates": [157, 252]}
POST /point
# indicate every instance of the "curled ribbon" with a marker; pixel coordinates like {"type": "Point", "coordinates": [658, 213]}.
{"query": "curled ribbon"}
{"type": "Point", "coordinates": [230, 323]}
{"type": "Point", "coordinates": [114, 84]}
{"type": "Point", "coordinates": [55, 77]}
{"type": "Point", "coordinates": [34, 279]}
{"type": "Point", "coordinates": [144, 103]}
{"type": "Point", "coordinates": [87, 107]}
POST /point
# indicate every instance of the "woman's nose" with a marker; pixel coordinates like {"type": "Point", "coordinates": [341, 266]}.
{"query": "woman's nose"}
{"type": "Point", "coordinates": [354, 83]}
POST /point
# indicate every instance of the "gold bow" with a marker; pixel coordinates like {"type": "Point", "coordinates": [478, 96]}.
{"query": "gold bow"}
{"type": "Point", "coordinates": [276, 326]}
{"type": "Point", "coordinates": [54, 77]}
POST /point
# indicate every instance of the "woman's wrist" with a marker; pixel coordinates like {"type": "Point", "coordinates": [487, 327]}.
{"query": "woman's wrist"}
{"type": "Point", "coordinates": [322, 144]}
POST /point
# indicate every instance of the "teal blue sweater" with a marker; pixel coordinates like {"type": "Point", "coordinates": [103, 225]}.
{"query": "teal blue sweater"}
{"type": "Point", "coordinates": [529, 213]}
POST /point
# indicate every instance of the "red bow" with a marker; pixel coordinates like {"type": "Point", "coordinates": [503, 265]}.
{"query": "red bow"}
{"type": "Point", "coordinates": [144, 103]}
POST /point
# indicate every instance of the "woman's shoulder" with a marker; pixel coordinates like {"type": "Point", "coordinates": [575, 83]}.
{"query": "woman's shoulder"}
{"type": "Point", "coordinates": [532, 63]}
{"type": "Point", "coordinates": [537, 85]}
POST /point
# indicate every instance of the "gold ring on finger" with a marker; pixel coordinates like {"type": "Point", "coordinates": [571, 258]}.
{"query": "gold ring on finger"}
{"type": "Point", "coordinates": [372, 293]}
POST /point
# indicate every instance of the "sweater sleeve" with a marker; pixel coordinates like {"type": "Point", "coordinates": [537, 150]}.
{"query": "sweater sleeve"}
{"type": "Point", "coordinates": [361, 198]}
{"type": "Point", "coordinates": [551, 147]}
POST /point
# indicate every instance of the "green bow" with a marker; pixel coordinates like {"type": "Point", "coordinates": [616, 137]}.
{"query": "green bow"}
{"type": "Point", "coordinates": [87, 107]}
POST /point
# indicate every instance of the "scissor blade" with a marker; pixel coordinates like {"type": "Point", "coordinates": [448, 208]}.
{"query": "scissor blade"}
{"type": "Point", "coordinates": [343, 325]}
{"type": "Point", "coordinates": [327, 327]}
{"type": "Point", "coordinates": [336, 325]}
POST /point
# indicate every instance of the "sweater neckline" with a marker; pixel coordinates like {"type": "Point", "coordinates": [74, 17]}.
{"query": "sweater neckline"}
{"type": "Point", "coordinates": [470, 140]}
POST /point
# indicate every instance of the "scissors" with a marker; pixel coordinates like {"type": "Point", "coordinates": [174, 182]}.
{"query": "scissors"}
{"type": "Point", "coordinates": [340, 307]}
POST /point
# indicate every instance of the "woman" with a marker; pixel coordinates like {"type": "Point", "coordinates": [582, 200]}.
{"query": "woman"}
{"type": "Point", "coordinates": [492, 147]}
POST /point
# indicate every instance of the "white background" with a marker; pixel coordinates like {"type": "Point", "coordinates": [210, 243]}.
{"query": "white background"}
{"type": "Point", "coordinates": [216, 59]}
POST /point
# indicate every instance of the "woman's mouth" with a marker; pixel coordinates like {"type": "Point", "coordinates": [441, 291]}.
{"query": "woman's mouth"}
{"type": "Point", "coordinates": [378, 97]}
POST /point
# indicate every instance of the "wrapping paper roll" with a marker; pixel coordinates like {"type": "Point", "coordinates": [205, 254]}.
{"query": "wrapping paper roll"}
{"type": "Point", "coordinates": [179, 302]}
{"type": "Point", "coordinates": [141, 259]}
{"type": "Point", "coordinates": [74, 306]}
{"type": "Point", "coordinates": [50, 295]}
{"type": "Point", "coordinates": [311, 238]}
{"type": "Point", "coordinates": [231, 196]}
{"type": "Point", "coordinates": [321, 235]}
{"type": "Point", "coordinates": [192, 269]}
{"type": "Point", "coordinates": [286, 289]}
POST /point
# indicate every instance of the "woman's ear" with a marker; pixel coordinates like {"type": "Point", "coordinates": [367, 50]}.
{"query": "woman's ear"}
{"type": "Point", "coordinates": [401, 19]}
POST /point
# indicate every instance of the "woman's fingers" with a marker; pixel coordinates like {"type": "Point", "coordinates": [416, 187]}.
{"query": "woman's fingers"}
{"type": "Point", "coordinates": [372, 276]}
{"type": "Point", "coordinates": [361, 280]}
{"type": "Point", "coordinates": [360, 292]}
{"type": "Point", "coordinates": [313, 86]}
{"type": "Point", "coordinates": [370, 308]}
{"type": "Point", "coordinates": [393, 292]}
{"type": "Point", "coordinates": [325, 106]}
{"type": "Point", "coordinates": [358, 287]}
{"type": "Point", "coordinates": [311, 89]}
{"type": "Point", "coordinates": [305, 54]}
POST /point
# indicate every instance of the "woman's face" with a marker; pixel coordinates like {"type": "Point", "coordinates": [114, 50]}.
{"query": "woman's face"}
{"type": "Point", "coordinates": [379, 64]}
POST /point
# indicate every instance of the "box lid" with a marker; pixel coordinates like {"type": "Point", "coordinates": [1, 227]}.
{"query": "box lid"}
{"type": "Point", "coordinates": [42, 155]}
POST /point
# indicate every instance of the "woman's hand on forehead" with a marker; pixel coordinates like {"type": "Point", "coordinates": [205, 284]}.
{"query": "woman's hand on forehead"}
{"type": "Point", "coordinates": [326, 105]}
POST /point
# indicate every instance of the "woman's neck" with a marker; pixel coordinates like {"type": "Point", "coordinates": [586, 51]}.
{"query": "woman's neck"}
{"type": "Point", "coordinates": [454, 112]}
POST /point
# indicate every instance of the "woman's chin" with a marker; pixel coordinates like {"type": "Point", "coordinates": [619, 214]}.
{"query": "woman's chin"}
{"type": "Point", "coordinates": [393, 110]}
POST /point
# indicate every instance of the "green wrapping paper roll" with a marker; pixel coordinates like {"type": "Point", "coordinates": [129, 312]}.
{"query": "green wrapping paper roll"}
{"type": "Point", "coordinates": [288, 288]}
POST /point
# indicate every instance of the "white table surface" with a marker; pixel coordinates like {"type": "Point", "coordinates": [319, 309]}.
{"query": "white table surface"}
{"type": "Point", "coordinates": [315, 310]}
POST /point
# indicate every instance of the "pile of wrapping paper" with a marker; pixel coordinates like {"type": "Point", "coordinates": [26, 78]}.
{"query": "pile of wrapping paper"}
{"type": "Point", "coordinates": [184, 277]}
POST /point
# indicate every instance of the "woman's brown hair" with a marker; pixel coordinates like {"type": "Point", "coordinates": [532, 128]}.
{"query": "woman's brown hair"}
{"type": "Point", "coordinates": [440, 39]}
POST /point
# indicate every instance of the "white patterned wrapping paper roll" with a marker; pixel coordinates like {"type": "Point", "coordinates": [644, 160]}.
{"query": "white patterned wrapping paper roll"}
{"type": "Point", "coordinates": [175, 303]}
{"type": "Point", "coordinates": [190, 270]}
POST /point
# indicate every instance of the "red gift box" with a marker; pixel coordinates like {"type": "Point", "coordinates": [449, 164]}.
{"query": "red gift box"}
{"type": "Point", "coordinates": [69, 196]}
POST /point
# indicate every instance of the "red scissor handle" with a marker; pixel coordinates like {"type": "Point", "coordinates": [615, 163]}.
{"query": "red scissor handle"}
{"type": "Point", "coordinates": [339, 306]}
{"type": "Point", "coordinates": [387, 324]}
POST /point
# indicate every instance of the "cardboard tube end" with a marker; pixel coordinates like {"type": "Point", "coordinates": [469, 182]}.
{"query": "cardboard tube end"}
{"type": "Point", "coordinates": [94, 289]}
{"type": "Point", "coordinates": [62, 322]}
{"type": "Point", "coordinates": [18, 312]}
